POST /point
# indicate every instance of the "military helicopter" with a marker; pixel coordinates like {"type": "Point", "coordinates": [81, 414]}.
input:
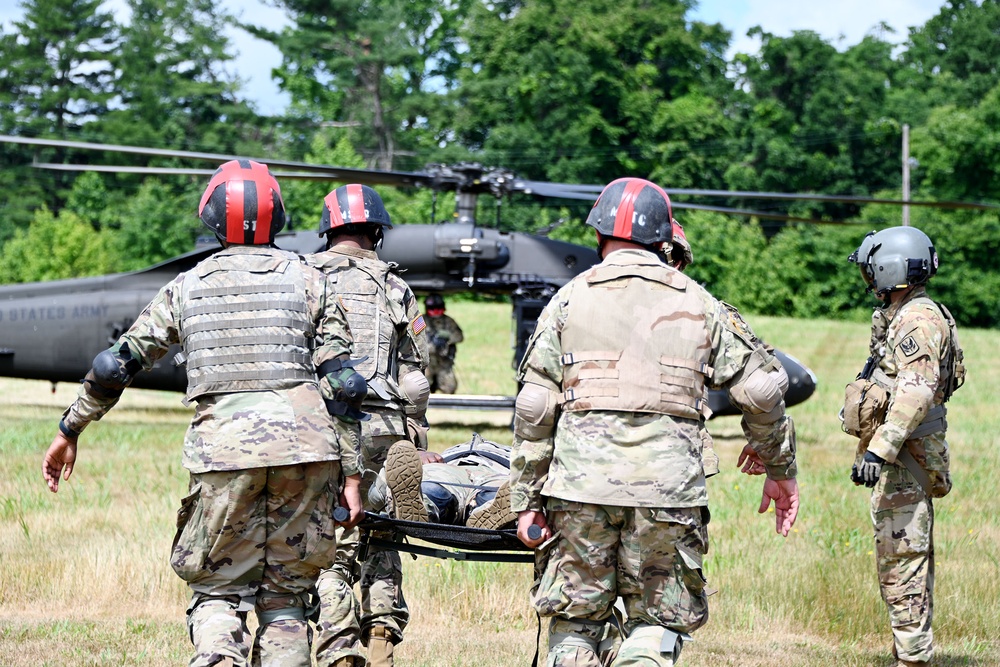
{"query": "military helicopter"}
{"type": "Point", "coordinates": [52, 330]}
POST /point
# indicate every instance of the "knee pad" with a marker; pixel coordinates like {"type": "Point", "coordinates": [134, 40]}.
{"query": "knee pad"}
{"type": "Point", "coordinates": [416, 390]}
{"type": "Point", "coordinates": [274, 608]}
{"type": "Point", "coordinates": [213, 611]}
{"type": "Point", "coordinates": [644, 642]}
{"type": "Point", "coordinates": [535, 412]}
{"type": "Point", "coordinates": [567, 636]}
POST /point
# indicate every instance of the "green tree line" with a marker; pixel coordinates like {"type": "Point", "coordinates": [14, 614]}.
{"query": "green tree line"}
{"type": "Point", "coordinates": [581, 92]}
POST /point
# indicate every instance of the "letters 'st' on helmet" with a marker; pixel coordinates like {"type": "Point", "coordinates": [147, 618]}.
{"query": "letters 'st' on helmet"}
{"type": "Point", "coordinates": [353, 205]}
{"type": "Point", "coordinates": [633, 209]}
{"type": "Point", "coordinates": [242, 204]}
{"type": "Point", "coordinates": [897, 258]}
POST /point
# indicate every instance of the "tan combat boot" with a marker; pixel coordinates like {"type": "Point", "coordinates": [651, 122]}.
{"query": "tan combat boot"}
{"type": "Point", "coordinates": [349, 661]}
{"type": "Point", "coordinates": [493, 514]}
{"type": "Point", "coordinates": [380, 645]}
{"type": "Point", "coordinates": [403, 474]}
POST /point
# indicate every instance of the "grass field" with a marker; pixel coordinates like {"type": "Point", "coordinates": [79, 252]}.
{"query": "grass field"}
{"type": "Point", "coordinates": [84, 577]}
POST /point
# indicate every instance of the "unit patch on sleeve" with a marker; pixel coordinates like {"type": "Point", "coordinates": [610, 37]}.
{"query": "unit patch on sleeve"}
{"type": "Point", "coordinates": [909, 346]}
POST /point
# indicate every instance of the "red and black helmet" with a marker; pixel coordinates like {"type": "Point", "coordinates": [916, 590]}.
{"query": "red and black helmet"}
{"type": "Point", "coordinates": [681, 255]}
{"type": "Point", "coordinates": [353, 205]}
{"type": "Point", "coordinates": [633, 209]}
{"type": "Point", "coordinates": [242, 204]}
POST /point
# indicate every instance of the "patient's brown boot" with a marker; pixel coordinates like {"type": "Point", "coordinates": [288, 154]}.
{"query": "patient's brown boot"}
{"type": "Point", "coordinates": [403, 474]}
{"type": "Point", "coordinates": [493, 514]}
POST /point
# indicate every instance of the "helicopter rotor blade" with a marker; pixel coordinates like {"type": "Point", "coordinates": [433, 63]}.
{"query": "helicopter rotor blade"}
{"type": "Point", "coordinates": [440, 177]}
{"type": "Point", "coordinates": [556, 191]}
{"type": "Point", "coordinates": [193, 171]}
{"type": "Point", "coordinates": [805, 196]}
{"type": "Point", "coordinates": [330, 172]}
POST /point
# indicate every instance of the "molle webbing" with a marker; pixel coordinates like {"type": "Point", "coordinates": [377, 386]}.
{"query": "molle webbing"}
{"type": "Point", "coordinates": [245, 323]}
{"type": "Point", "coordinates": [361, 289]}
{"type": "Point", "coordinates": [300, 358]}
{"type": "Point", "coordinates": [245, 329]}
{"type": "Point", "coordinates": [241, 341]}
{"type": "Point", "coordinates": [233, 290]}
{"type": "Point", "coordinates": [218, 308]}
{"type": "Point", "coordinates": [615, 336]}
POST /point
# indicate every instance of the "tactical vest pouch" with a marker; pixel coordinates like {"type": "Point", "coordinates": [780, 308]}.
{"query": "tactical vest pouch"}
{"type": "Point", "coordinates": [865, 407]}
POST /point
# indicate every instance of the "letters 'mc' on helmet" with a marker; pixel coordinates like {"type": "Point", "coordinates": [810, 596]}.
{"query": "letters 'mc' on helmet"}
{"type": "Point", "coordinates": [633, 209]}
{"type": "Point", "coordinates": [897, 258]}
{"type": "Point", "coordinates": [242, 204]}
{"type": "Point", "coordinates": [353, 205]}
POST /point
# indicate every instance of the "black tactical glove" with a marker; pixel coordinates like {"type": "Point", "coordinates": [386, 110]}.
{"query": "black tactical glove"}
{"type": "Point", "coordinates": [855, 475]}
{"type": "Point", "coordinates": [440, 344]}
{"type": "Point", "coordinates": [870, 469]}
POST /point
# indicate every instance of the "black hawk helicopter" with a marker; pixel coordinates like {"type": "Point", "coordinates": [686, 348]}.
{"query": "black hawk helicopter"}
{"type": "Point", "coordinates": [52, 330]}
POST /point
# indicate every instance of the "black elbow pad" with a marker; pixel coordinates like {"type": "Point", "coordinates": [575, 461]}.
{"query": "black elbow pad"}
{"type": "Point", "coordinates": [112, 371]}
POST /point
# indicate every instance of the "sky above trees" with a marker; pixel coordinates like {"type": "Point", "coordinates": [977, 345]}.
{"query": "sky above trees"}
{"type": "Point", "coordinates": [850, 19]}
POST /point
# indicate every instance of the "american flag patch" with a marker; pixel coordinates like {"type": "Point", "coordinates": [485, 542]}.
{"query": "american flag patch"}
{"type": "Point", "coordinates": [418, 325]}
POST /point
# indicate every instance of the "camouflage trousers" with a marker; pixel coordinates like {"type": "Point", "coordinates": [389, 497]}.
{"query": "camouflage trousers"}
{"type": "Point", "coordinates": [441, 374]}
{"type": "Point", "coordinates": [903, 519]}
{"type": "Point", "coordinates": [650, 558]}
{"type": "Point", "coordinates": [343, 622]}
{"type": "Point", "coordinates": [255, 539]}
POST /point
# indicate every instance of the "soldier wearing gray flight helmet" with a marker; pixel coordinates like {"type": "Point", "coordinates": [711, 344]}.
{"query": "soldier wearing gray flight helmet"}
{"type": "Point", "coordinates": [390, 339]}
{"type": "Point", "coordinates": [607, 438]}
{"type": "Point", "coordinates": [896, 408]}
{"type": "Point", "coordinates": [268, 443]}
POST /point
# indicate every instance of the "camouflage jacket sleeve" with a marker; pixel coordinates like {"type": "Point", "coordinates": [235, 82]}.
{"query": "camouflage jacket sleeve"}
{"type": "Point", "coordinates": [916, 350]}
{"type": "Point", "coordinates": [148, 339]}
{"type": "Point", "coordinates": [530, 459]}
{"type": "Point", "coordinates": [411, 353]}
{"type": "Point", "coordinates": [772, 435]}
{"type": "Point", "coordinates": [333, 339]}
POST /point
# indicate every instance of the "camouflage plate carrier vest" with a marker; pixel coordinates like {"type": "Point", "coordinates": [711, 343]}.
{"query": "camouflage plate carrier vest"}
{"type": "Point", "coordinates": [636, 341]}
{"type": "Point", "coordinates": [361, 288]}
{"type": "Point", "coordinates": [951, 369]}
{"type": "Point", "coordinates": [245, 325]}
{"type": "Point", "coordinates": [479, 452]}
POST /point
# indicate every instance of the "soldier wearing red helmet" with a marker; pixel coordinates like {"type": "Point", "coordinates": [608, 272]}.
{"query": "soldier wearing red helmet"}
{"type": "Point", "coordinates": [390, 339]}
{"type": "Point", "coordinates": [264, 451]}
{"type": "Point", "coordinates": [607, 437]}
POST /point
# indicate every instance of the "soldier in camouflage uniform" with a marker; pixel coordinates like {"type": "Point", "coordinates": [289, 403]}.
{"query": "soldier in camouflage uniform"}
{"type": "Point", "coordinates": [607, 446]}
{"type": "Point", "coordinates": [444, 335]}
{"type": "Point", "coordinates": [264, 455]}
{"type": "Point", "coordinates": [389, 335]}
{"type": "Point", "coordinates": [896, 407]}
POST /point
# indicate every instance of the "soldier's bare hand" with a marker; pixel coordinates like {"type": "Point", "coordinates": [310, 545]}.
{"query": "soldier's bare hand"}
{"type": "Point", "coordinates": [785, 494]}
{"type": "Point", "coordinates": [527, 519]}
{"type": "Point", "coordinates": [751, 462]}
{"type": "Point", "coordinates": [59, 460]}
{"type": "Point", "coordinates": [429, 457]}
{"type": "Point", "coordinates": [350, 498]}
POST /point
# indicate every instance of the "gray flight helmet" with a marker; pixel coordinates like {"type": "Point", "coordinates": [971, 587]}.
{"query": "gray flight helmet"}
{"type": "Point", "coordinates": [899, 258]}
{"type": "Point", "coordinates": [860, 257]}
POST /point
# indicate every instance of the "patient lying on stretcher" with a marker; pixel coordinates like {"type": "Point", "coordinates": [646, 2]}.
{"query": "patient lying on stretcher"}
{"type": "Point", "coordinates": [470, 486]}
